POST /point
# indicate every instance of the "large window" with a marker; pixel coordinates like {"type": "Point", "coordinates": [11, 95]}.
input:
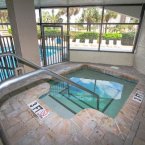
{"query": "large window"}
{"type": "Point", "coordinates": [85, 27]}
{"type": "Point", "coordinates": [119, 28]}
{"type": "Point", "coordinates": [100, 28]}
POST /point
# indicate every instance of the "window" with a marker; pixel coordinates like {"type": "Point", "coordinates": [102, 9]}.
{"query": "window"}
{"type": "Point", "coordinates": [37, 16]}
{"type": "Point", "coordinates": [4, 16]}
{"type": "Point", "coordinates": [100, 28]}
{"type": "Point", "coordinates": [84, 23]}
{"type": "Point", "coordinates": [56, 15]}
{"type": "Point", "coordinates": [118, 37]}
{"type": "Point", "coordinates": [5, 28]}
{"type": "Point", "coordinates": [119, 28]}
{"type": "Point", "coordinates": [84, 36]}
{"type": "Point", "coordinates": [121, 14]}
{"type": "Point", "coordinates": [85, 15]}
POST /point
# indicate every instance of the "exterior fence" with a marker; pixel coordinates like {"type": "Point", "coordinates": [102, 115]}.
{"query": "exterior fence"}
{"type": "Point", "coordinates": [53, 49]}
{"type": "Point", "coordinates": [7, 63]}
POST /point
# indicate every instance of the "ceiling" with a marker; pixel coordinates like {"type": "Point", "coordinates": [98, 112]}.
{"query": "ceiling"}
{"type": "Point", "coordinates": [46, 3]}
{"type": "Point", "coordinates": [84, 2]}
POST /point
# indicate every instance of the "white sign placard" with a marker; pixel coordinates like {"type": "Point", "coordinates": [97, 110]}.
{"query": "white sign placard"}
{"type": "Point", "coordinates": [138, 97]}
{"type": "Point", "coordinates": [40, 111]}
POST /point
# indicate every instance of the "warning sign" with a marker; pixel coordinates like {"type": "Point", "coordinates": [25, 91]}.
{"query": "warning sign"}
{"type": "Point", "coordinates": [138, 97]}
{"type": "Point", "coordinates": [40, 111]}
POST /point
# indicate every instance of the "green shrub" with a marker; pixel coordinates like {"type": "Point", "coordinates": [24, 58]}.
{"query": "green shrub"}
{"type": "Point", "coordinates": [85, 35]}
{"type": "Point", "coordinates": [130, 35]}
{"type": "Point", "coordinates": [50, 32]}
{"type": "Point", "coordinates": [128, 38]}
{"type": "Point", "coordinates": [73, 34]}
{"type": "Point", "coordinates": [10, 30]}
{"type": "Point", "coordinates": [112, 36]}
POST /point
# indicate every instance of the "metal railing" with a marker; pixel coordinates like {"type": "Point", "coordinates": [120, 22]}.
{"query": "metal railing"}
{"type": "Point", "coordinates": [49, 72]}
{"type": "Point", "coordinates": [53, 49]}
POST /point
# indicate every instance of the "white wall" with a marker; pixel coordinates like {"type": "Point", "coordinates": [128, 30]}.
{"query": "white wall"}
{"type": "Point", "coordinates": [102, 57]}
{"type": "Point", "coordinates": [139, 61]}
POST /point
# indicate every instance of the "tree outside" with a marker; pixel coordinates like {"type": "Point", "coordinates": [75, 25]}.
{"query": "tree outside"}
{"type": "Point", "coordinates": [108, 16]}
{"type": "Point", "coordinates": [3, 18]}
{"type": "Point", "coordinates": [51, 17]}
{"type": "Point", "coordinates": [90, 15]}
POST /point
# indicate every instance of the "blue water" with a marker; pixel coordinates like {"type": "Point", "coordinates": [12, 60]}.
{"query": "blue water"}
{"type": "Point", "coordinates": [112, 91]}
{"type": "Point", "coordinates": [50, 51]}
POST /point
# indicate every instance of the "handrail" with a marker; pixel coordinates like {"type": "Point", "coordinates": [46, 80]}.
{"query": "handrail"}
{"type": "Point", "coordinates": [49, 72]}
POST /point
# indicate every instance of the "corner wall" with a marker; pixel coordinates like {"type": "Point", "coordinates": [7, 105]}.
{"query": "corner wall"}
{"type": "Point", "coordinates": [102, 57]}
{"type": "Point", "coordinates": [139, 60]}
{"type": "Point", "coordinates": [22, 19]}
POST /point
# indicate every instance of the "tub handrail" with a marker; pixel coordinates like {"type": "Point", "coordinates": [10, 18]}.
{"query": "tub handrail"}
{"type": "Point", "coordinates": [46, 70]}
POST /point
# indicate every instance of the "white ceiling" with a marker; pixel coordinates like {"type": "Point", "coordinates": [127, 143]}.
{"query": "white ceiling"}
{"type": "Point", "coordinates": [84, 2]}
{"type": "Point", "coordinates": [45, 3]}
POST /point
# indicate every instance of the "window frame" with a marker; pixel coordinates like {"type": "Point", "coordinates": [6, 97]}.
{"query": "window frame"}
{"type": "Point", "coordinates": [101, 23]}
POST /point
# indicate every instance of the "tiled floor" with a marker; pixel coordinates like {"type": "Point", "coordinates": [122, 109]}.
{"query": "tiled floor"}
{"type": "Point", "coordinates": [89, 127]}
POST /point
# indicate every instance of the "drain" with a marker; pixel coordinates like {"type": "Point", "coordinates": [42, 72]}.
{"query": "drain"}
{"type": "Point", "coordinates": [138, 97]}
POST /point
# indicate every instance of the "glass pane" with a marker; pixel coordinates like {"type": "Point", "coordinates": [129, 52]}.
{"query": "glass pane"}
{"type": "Point", "coordinates": [38, 31]}
{"type": "Point", "coordinates": [5, 30]}
{"type": "Point", "coordinates": [85, 15]}
{"type": "Point", "coordinates": [84, 37]}
{"type": "Point", "coordinates": [57, 15]}
{"type": "Point", "coordinates": [37, 17]}
{"type": "Point", "coordinates": [53, 30]}
{"type": "Point", "coordinates": [122, 14]}
{"type": "Point", "coordinates": [118, 37]}
{"type": "Point", "coordinates": [4, 16]}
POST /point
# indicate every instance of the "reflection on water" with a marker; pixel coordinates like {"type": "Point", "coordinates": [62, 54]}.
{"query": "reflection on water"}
{"type": "Point", "coordinates": [105, 89]}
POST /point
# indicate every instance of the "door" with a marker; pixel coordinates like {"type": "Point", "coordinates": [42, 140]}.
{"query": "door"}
{"type": "Point", "coordinates": [54, 45]}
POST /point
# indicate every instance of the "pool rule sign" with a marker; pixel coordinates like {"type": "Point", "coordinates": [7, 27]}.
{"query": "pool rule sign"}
{"type": "Point", "coordinates": [40, 111]}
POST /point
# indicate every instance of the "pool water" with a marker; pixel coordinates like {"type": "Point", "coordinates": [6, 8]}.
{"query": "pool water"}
{"type": "Point", "coordinates": [68, 100]}
{"type": "Point", "coordinates": [49, 50]}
